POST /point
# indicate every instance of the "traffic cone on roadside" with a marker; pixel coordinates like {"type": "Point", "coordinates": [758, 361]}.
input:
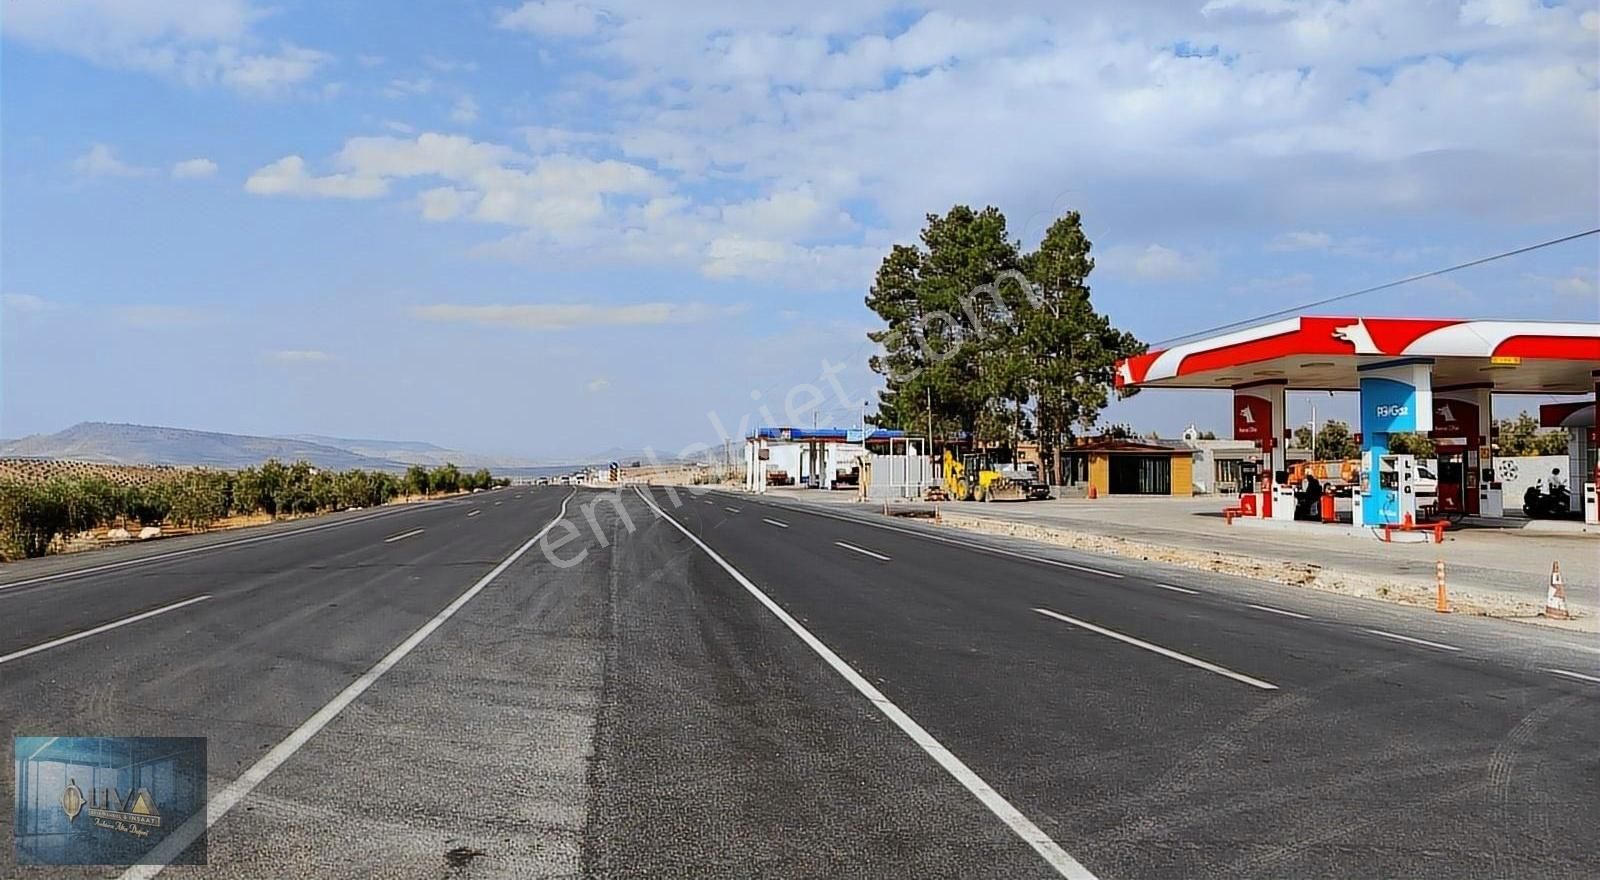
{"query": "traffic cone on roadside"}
{"type": "Point", "coordinates": [1555, 603]}
{"type": "Point", "coordinates": [1092, 493]}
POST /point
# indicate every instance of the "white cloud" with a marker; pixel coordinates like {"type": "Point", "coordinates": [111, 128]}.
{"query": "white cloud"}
{"type": "Point", "coordinates": [300, 356]}
{"type": "Point", "coordinates": [288, 177]}
{"type": "Point", "coordinates": [401, 87]}
{"type": "Point", "coordinates": [445, 202]}
{"type": "Point", "coordinates": [190, 169]}
{"type": "Point", "coordinates": [102, 161]}
{"type": "Point", "coordinates": [465, 110]}
{"type": "Point", "coordinates": [1157, 263]}
{"type": "Point", "coordinates": [25, 302]}
{"type": "Point", "coordinates": [598, 384]}
{"type": "Point", "coordinates": [554, 18]}
{"type": "Point", "coordinates": [448, 65]}
{"type": "Point", "coordinates": [400, 127]}
{"type": "Point", "coordinates": [560, 316]}
{"type": "Point", "coordinates": [1301, 241]}
{"type": "Point", "coordinates": [197, 43]}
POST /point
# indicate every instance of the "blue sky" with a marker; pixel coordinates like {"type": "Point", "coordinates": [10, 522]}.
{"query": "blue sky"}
{"type": "Point", "coordinates": [554, 227]}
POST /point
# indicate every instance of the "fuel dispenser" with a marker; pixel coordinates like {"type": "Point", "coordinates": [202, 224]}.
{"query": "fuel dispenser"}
{"type": "Point", "coordinates": [1396, 492]}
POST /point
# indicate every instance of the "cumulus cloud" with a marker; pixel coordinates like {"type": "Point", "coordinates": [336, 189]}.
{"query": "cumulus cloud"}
{"type": "Point", "coordinates": [561, 316]}
{"type": "Point", "coordinates": [288, 177]}
{"type": "Point", "coordinates": [794, 144]}
{"type": "Point", "coordinates": [554, 18]}
{"type": "Point", "coordinates": [197, 43]}
{"type": "Point", "coordinates": [102, 161]}
{"type": "Point", "coordinates": [190, 169]}
{"type": "Point", "coordinates": [598, 384]}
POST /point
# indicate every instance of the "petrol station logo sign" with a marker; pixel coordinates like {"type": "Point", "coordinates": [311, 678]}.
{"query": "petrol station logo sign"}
{"type": "Point", "coordinates": [1387, 406]}
{"type": "Point", "coordinates": [1252, 417]}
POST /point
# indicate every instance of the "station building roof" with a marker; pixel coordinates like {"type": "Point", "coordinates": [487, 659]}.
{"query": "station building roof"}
{"type": "Point", "coordinates": [1326, 353]}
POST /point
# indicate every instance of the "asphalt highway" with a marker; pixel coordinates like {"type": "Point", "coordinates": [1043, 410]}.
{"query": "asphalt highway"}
{"type": "Point", "coordinates": [537, 682]}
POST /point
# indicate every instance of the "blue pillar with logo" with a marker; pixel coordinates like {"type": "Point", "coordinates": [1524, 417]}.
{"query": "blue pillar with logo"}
{"type": "Point", "coordinates": [1396, 397]}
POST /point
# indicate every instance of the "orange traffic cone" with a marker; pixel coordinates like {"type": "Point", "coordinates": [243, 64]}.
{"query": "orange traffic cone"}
{"type": "Point", "coordinates": [1092, 493]}
{"type": "Point", "coordinates": [1555, 603]}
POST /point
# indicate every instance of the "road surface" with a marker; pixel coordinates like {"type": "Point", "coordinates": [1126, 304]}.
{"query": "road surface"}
{"type": "Point", "coordinates": [537, 682]}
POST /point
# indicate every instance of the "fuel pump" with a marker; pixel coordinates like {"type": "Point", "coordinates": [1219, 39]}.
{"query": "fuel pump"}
{"type": "Point", "coordinates": [1396, 493]}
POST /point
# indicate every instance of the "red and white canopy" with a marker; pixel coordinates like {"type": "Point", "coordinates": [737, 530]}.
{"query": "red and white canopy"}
{"type": "Point", "coordinates": [1548, 357]}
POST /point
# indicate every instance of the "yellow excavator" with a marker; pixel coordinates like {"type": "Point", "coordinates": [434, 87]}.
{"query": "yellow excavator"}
{"type": "Point", "coordinates": [974, 477]}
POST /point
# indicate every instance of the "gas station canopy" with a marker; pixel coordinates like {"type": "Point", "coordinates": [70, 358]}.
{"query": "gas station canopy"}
{"type": "Point", "coordinates": [1325, 353]}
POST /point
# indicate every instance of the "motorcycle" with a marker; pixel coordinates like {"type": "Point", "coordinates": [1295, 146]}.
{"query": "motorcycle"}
{"type": "Point", "coordinates": [1538, 504]}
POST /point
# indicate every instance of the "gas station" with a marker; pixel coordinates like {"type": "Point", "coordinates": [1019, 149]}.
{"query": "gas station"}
{"type": "Point", "coordinates": [1436, 376]}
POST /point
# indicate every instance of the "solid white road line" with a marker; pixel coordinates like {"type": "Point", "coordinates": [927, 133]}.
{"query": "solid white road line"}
{"type": "Point", "coordinates": [1165, 652]}
{"type": "Point", "coordinates": [962, 544]}
{"type": "Point", "coordinates": [474, 513]}
{"type": "Point", "coordinates": [1578, 675]}
{"type": "Point", "coordinates": [1398, 637]}
{"type": "Point", "coordinates": [220, 545]}
{"type": "Point", "coordinates": [731, 509]}
{"type": "Point", "coordinates": [773, 522]}
{"type": "Point", "coordinates": [1294, 614]}
{"type": "Point", "coordinates": [1179, 589]}
{"type": "Point", "coordinates": [862, 551]}
{"type": "Point", "coordinates": [402, 536]}
{"type": "Point", "coordinates": [17, 655]}
{"type": "Point", "coordinates": [225, 800]}
{"type": "Point", "coordinates": [1058, 858]}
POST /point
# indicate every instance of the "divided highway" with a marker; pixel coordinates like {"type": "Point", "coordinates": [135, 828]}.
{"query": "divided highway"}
{"type": "Point", "coordinates": [668, 684]}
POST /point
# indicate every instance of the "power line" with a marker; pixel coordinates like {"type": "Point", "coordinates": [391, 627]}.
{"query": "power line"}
{"type": "Point", "coordinates": [1366, 290]}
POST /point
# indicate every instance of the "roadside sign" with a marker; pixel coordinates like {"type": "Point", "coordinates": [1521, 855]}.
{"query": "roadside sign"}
{"type": "Point", "coordinates": [854, 435]}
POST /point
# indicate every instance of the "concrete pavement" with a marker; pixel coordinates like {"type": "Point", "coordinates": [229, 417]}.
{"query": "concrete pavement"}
{"type": "Point", "coordinates": [637, 702]}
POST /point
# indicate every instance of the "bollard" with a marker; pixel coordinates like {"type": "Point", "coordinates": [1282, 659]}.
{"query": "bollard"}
{"type": "Point", "coordinates": [1555, 603]}
{"type": "Point", "coordinates": [1441, 600]}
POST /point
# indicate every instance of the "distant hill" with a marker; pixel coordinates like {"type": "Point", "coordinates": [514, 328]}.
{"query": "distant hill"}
{"type": "Point", "coordinates": [417, 452]}
{"type": "Point", "coordinates": [110, 443]}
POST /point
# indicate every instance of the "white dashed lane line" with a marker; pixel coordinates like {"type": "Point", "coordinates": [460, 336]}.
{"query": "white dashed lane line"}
{"type": "Point", "coordinates": [862, 550]}
{"type": "Point", "coordinates": [1401, 638]}
{"type": "Point", "coordinates": [1577, 675]}
{"type": "Point", "coordinates": [402, 536]}
{"type": "Point", "coordinates": [731, 509]}
{"type": "Point", "coordinates": [474, 512]}
{"type": "Point", "coordinates": [64, 640]}
{"type": "Point", "coordinates": [1165, 652]}
{"type": "Point", "coordinates": [1179, 589]}
{"type": "Point", "coordinates": [1269, 608]}
{"type": "Point", "coordinates": [773, 522]}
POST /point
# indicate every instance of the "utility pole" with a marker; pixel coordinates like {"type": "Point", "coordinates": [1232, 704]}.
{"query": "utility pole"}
{"type": "Point", "coordinates": [929, 452]}
{"type": "Point", "coordinates": [1313, 432]}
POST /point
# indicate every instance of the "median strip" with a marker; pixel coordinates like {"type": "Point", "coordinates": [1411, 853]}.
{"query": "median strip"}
{"type": "Point", "coordinates": [402, 536]}
{"type": "Point", "coordinates": [1165, 652]}
{"type": "Point", "coordinates": [17, 655]}
{"type": "Point", "coordinates": [862, 550]}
